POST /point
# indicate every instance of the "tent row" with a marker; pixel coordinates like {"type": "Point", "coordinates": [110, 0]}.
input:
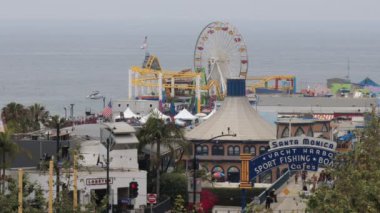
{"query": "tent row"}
{"type": "Point", "coordinates": [182, 118]}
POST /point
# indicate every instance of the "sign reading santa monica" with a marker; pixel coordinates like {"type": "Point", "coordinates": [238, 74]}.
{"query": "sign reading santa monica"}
{"type": "Point", "coordinates": [300, 153]}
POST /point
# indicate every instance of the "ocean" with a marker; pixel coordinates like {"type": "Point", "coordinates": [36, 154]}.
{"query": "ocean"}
{"type": "Point", "coordinates": [60, 63]}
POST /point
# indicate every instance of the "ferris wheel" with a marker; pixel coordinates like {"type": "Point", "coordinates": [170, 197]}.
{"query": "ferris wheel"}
{"type": "Point", "coordinates": [221, 53]}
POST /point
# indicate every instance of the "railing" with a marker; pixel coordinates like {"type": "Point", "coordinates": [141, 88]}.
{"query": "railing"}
{"type": "Point", "coordinates": [276, 185]}
{"type": "Point", "coordinates": [161, 207]}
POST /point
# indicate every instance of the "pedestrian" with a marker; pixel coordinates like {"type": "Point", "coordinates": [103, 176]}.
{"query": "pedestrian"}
{"type": "Point", "coordinates": [304, 175]}
{"type": "Point", "coordinates": [268, 201]}
{"type": "Point", "coordinates": [273, 195]}
{"type": "Point", "coordinates": [296, 178]}
{"type": "Point", "coordinates": [322, 176]}
{"type": "Point", "coordinates": [314, 179]}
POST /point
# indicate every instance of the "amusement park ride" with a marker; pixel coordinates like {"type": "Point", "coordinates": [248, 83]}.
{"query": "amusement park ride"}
{"type": "Point", "coordinates": [220, 54]}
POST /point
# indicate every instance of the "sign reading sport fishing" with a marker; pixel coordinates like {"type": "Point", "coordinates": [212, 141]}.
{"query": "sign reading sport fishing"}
{"type": "Point", "coordinates": [300, 153]}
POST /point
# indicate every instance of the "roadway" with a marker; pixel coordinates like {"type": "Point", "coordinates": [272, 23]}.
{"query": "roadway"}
{"type": "Point", "coordinates": [288, 197]}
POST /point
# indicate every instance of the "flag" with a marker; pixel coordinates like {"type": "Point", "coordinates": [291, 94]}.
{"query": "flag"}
{"type": "Point", "coordinates": [107, 111]}
{"type": "Point", "coordinates": [145, 43]}
{"type": "Point", "coordinates": [1, 126]}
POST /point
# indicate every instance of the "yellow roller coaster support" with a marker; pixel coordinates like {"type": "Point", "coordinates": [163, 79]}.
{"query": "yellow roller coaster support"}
{"type": "Point", "coordinates": [262, 82]}
{"type": "Point", "coordinates": [149, 78]}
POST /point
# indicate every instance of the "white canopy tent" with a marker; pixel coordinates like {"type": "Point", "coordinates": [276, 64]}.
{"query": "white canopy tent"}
{"type": "Point", "coordinates": [129, 114]}
{"type": "Point", "coordinates": [157, 113]}
{"type": "Point", "coordinates": [185, 115]}
{"type": "Point", "coordinates": [180, 123]}
{"type": "Point", "coordinates": [201, 115]}
{"type": "Point", "coordinates": [209, 115]}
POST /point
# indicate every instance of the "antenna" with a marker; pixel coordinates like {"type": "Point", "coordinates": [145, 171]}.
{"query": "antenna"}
{"type": "Point", "coordinates": [348, 69]}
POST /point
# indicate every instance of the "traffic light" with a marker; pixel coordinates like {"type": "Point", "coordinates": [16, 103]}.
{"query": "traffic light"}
{"type": "Point", "coordinates": [133, 189]}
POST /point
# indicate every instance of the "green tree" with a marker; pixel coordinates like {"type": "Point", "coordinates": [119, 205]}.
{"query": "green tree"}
{"type": "Point", "coordinates": [38, 114]}
{"type": "Point", "coordinates": [15, 116]}
{"type": "Point", "coordinates": [356, 176]}
{"type": "Point", "coordinates": [179, 205]}
{"type": "Point", "coordinates": [24, 119]}
{"type": "Point", "coordinates": [13, 111]}
{"type": "Point", "coordinates": [8, 148]}
{"type": "Point", "coordinates": [173, 184]}
{"type": "Point", "coordinates": [33, 200]}
{"type": "Point", "coordinates": [57, 123]}
{"type": "Point", "coordinates": [156, 132]}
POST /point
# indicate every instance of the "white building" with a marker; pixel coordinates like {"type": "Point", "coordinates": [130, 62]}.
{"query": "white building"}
{"type": "Point", "coordinates": [123, 167]}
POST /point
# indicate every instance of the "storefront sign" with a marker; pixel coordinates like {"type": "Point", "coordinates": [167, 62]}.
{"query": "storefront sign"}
{"type": "Point", "coordinates": [300, 153]}
{"type": "Point", "coordinates": [302, 141]}
{"type": "Point", "coordinates": [97, 181]}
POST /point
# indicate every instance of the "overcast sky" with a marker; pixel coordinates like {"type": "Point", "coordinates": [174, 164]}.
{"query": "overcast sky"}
{"type": "Point", "coordinates": [225, 10]}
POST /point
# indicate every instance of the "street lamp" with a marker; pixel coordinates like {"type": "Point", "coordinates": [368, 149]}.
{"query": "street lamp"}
{"type": "Point", "coordinates": [65, 112]}
{"type": "Point", "coordinates": [195, 159]}
{"type": "Point", "coordinates": [58, 159]}
{"type": "Point", "coordinates": [108, 144]}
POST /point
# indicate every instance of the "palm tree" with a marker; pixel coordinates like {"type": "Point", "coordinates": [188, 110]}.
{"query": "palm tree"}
{"type": "Point", "coordinates": [13, 111]}
{"type": "Point", "coordinates": [7, 148]}
{"type": "Point", "coordinates": [58, 123]}
{"type": "Point", "coordinates": [15, 115]}
{"type": "Point", "coordinates": [157, 132]}
{"type": "Point", "coordinates": [38, 114]}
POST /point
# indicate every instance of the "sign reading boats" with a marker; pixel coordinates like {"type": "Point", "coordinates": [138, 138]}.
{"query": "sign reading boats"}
{"type": "Point", "coordinates": [300, 153]}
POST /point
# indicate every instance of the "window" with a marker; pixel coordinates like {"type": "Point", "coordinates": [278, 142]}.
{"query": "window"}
{"type": "Point", "coordinates": [263, 149]}
{"type": "Point", "coordinates": [205, 150]}
{"type": "Point", "coordinates": [325, 128]}
{"type": "Point", "coordinates": [199, 150]}
{"type": "Point", "coordinates": [230, 150]}
{"type": "Point", "coordinates": [233, 150]}
{"type": "Point", "coordinates": [285, 133]}
{"type": "Point", "coordinates": [249, 149]}
{"type": "Point", "coordinates": [218, 173]}
{"type": "Point", "coordinates": [202, 150]}
{"type": "Point", "coordinates": [310, 132]}
{"type": "Point", "coordinates": [253, 150]}
{"type": "Point", "coordinates": [217, 150]}
{"type": "Point", "coordinates": [233, 174]}
{"type": "Point", "coordinates": [236, 150]}
{"type": "Point", "coordinates": [299, 132]}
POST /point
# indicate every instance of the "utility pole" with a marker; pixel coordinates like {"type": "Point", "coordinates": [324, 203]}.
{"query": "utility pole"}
{"type": "Point", "coordinates": [50, 205]}
{"type": "Point", "coordinates": [72, 112]}
{"type": "Point", "coordinates": [75, 193]}
{"type": "Point", "coordinates": [20, 186]}
{"type": "Point", "coordinates": [58, 159]}
{"type": "Point", "coordinates": [108, 174]}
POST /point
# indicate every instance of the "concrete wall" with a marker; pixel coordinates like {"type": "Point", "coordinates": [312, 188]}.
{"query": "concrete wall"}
{"type": "Point", "coordinates": [141, 107]}
{"type": "Point", "coordinates": [32, 150]}
{"type": "Point", "coordinates": [120, 179]}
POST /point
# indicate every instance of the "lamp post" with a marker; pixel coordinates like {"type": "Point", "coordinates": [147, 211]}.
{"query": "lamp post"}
{"type": "Point", "coordinates": [65, 112]}
{"type": "Point", "coordinates": [58, 159]}
{"type": "Point", "coordinates": [195, 159]}
{"type": "Point", "coordinates": [108, 173]}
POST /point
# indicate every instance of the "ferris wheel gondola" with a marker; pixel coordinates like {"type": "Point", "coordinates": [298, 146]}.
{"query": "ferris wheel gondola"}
{"type": "Point", "coordinates": [221, 53]}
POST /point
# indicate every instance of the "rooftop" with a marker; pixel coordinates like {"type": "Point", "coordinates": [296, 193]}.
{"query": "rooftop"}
{"type": "Point", "coordinates": [239, 116]}
{"type": "Point", "coordinates": [120, 128]}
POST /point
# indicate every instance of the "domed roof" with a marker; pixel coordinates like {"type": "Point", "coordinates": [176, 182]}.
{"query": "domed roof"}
{"type": "Point", "coordinates": [237, 115]}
